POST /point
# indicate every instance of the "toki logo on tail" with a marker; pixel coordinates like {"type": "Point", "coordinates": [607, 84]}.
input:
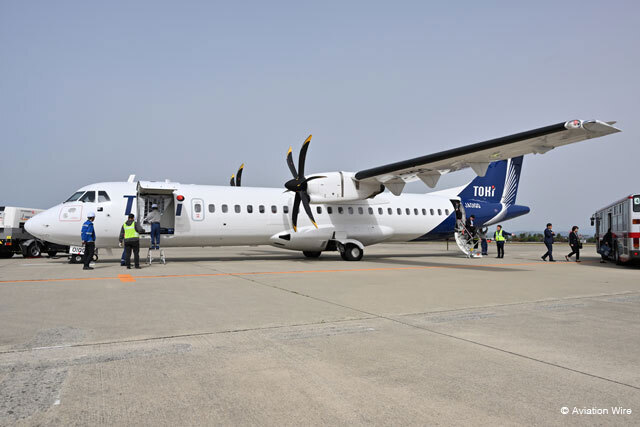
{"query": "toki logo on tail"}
{"type": "Point", "coordinates": [498, 185]}
{"type": "Point", "coordinates": [484, 191]}
{"type": "Point", "coordinates": [492, 197]}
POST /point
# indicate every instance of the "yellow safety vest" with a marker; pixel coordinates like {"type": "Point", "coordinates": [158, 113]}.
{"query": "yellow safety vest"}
{"type": "Point", "coordinates": [130, 231]}
{"type": "Point", "coordinates": [499, 237]}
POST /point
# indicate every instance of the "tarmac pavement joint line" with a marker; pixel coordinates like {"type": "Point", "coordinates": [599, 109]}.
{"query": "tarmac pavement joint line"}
{"type": "Point", "coordinates": [257, 273]}
{"type": "Point", "coordinates": [177, 336]}
{"type": "Point", "coordinates": [444, 334]}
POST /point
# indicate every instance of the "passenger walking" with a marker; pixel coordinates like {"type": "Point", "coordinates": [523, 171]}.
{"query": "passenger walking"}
{"type": "Point", "coordinates": [470, 225]}
{"type": "Point", "coordinates": [130, 234]}
{"type": "Point", "coordinates": [500, 236]}
{"type": "Point", "coordinates": [88, 236]}
{"type": "Point", "coordinates": [548, 241]}
{"type": "Point", "coordinates": [459, 223]}
{"type": "Point", "coordinates": [482, 235]}
{"type": "Point", "coordinates": [153, 218]}
{"type": "Point", "coordinates": [574, 243]}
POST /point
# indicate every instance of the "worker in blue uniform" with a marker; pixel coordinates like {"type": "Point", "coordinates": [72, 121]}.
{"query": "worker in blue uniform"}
{"type": "Point", "coordinates": [88, 236]}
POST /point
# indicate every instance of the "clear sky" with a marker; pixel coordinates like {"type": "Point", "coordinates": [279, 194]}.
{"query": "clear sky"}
{"type": "Point", "coordinates": [94, 91]}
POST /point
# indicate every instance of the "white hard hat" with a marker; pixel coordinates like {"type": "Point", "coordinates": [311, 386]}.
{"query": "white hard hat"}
{"type": "Point", "coordinates": [154, 206]}
{"type": "Point", "coordinates": [91, 215]}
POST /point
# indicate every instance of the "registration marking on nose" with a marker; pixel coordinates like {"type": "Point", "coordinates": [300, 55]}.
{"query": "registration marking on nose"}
{"type": "Point", "coordinates": [126, 278]}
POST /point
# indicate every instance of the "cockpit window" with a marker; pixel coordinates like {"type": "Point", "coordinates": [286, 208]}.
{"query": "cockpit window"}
{"type": "Point", "coordinates": [74, 197]}
{"type": "Point", "coordinates": [89, 197]}
{"type": "Point", "coordinates": [103, 197]}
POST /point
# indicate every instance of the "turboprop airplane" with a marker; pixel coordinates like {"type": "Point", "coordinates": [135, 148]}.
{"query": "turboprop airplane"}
{"type": "Point", "coordinates": [344, 211]}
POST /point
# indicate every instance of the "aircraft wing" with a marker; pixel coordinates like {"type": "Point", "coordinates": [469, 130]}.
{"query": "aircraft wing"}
{"type": "Point", "coordinates": [478, 156]}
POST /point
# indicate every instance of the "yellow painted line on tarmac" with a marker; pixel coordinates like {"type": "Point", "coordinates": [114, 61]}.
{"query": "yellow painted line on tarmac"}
{"type": "Point", "coordinates": [130, 278]}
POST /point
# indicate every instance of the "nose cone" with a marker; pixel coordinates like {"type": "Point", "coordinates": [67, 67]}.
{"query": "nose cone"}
{"type": "Point", "coordinates": [37, 226]}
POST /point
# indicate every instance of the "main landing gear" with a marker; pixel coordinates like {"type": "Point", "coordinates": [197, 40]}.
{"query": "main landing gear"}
{"type": "Point", "coordinates": [351, 252]}
{"type": "Point", "coordinates": [349, 249]}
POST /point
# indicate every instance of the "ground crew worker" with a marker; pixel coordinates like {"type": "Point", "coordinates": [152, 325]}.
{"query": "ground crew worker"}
{"type": "Point", "coordinates": [548, 242]}
{"type": "Point", "coordinates": [88, 236]}
{"type": "Point", "coordinates": [130, 234]}
{"type": "Point", "coordinates": [153, 218]}
{"type": "Point", "coordinates": [500, 236]}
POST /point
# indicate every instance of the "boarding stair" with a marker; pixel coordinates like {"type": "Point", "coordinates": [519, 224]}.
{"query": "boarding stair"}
{"type": "Point", "coordinates": [466, 242]}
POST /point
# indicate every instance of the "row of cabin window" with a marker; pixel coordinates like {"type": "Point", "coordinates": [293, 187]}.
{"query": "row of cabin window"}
{"type": "Point", "coordinates": [350, 210]}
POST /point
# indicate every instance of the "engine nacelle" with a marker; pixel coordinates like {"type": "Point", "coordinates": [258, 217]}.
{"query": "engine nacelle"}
{"type": "Point", "coordinates": [341, 187]}
{"type": "Point", "coordinates": [306, 239]}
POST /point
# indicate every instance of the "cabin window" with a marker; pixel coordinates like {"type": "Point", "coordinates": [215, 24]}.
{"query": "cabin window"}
{"type": "Point", "coordinates": [415, 211]}
{"type": "Point", "coordinates": [261, 208]}
{"type": "Point", "coordinates": [446, 212]}
{"type": "Point", "coordinates": [225, 208]}
{"type": "Point", "coordinates": [197, 207]}
{"type": "Point", "coordinates": [329, 210]}
{"type": "Point", "coordinates": [75, 196]}
{"type": "Point", "coordinates": [319, 209]}
{"type": "Point", "coordinates": [89, 197]}
{"type": "Point", "coordinates": [399, 211]}
{"type": "Point", "coordinates": [350, 209]}
{"type": "Point", "coordinates": [340, 210]}
{"type": "Point", "coordinates": [212, 208]}
{"type": "Point", "coordinates": [249, 208]}
{"type": "Point", "coordinates": [380, 211]}
{"type": "Point", "coordinates": [103, 197]}
{"type": "Point", "coordinates": [431, 210]}
{"type": "Point", "coordinates": [424, 211]}
{"type": "Point", "coordinates": [439, 211]}
{"type": "Point", "coordinates": [274, 209]}
{"type": "Point", "coordinates": [285, 209]}
{"type": "Point", "coordinates": [360, 210]}
{"type": "Point", "coordinates": [390, 211]}
{"type": "Point", "coordinates": [370, 211]}
{"type": "Point", "coordinates": [237, 208]}
{"type": "Point", "coordinates": [408, 211]}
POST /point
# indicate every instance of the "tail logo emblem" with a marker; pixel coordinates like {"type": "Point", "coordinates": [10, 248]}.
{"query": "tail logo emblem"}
{"type": "Point", "coordinates": [484, 191]}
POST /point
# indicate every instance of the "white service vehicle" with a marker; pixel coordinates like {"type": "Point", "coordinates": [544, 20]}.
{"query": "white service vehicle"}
{"type": "Point", "coordinates": [15, 239]}
{"type": "Point", "coordinates": [343, 211]}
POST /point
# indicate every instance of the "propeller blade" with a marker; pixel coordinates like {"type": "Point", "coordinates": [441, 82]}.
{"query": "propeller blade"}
{"type": "Point", "coordinates": [303, 156]}
{"type": "Point", "coordinates": [292, 167]}
{"type": "Point", "coordinates": [307, 208]}
{"type": "Point", "coordinates": [294, 212]}
{"type": "Point", "coordinates": [239, 175]}
{"type": "Point", "coordinates": [233, 181]}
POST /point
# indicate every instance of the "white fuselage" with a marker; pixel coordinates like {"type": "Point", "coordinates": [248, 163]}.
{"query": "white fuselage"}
{"type": "Point", "coordinates": [367, 221]}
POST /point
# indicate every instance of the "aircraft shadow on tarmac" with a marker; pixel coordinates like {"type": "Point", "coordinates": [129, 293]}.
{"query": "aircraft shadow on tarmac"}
{"type": "Point", "coordinates": [399, 260]}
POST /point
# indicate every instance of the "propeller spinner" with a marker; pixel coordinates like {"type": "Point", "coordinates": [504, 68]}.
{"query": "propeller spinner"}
{"type": "Point", "coordinates": [299, 185]}
{"type": "Point", "coordinates": [235, 179]}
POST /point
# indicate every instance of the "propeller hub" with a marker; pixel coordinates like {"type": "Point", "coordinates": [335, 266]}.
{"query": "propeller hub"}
{"type": "Point", "coordinates": [295, 185]}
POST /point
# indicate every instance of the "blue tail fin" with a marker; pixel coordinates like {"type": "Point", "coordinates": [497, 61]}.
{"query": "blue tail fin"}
{"type": "Point", "coordinates": [498, 185]}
